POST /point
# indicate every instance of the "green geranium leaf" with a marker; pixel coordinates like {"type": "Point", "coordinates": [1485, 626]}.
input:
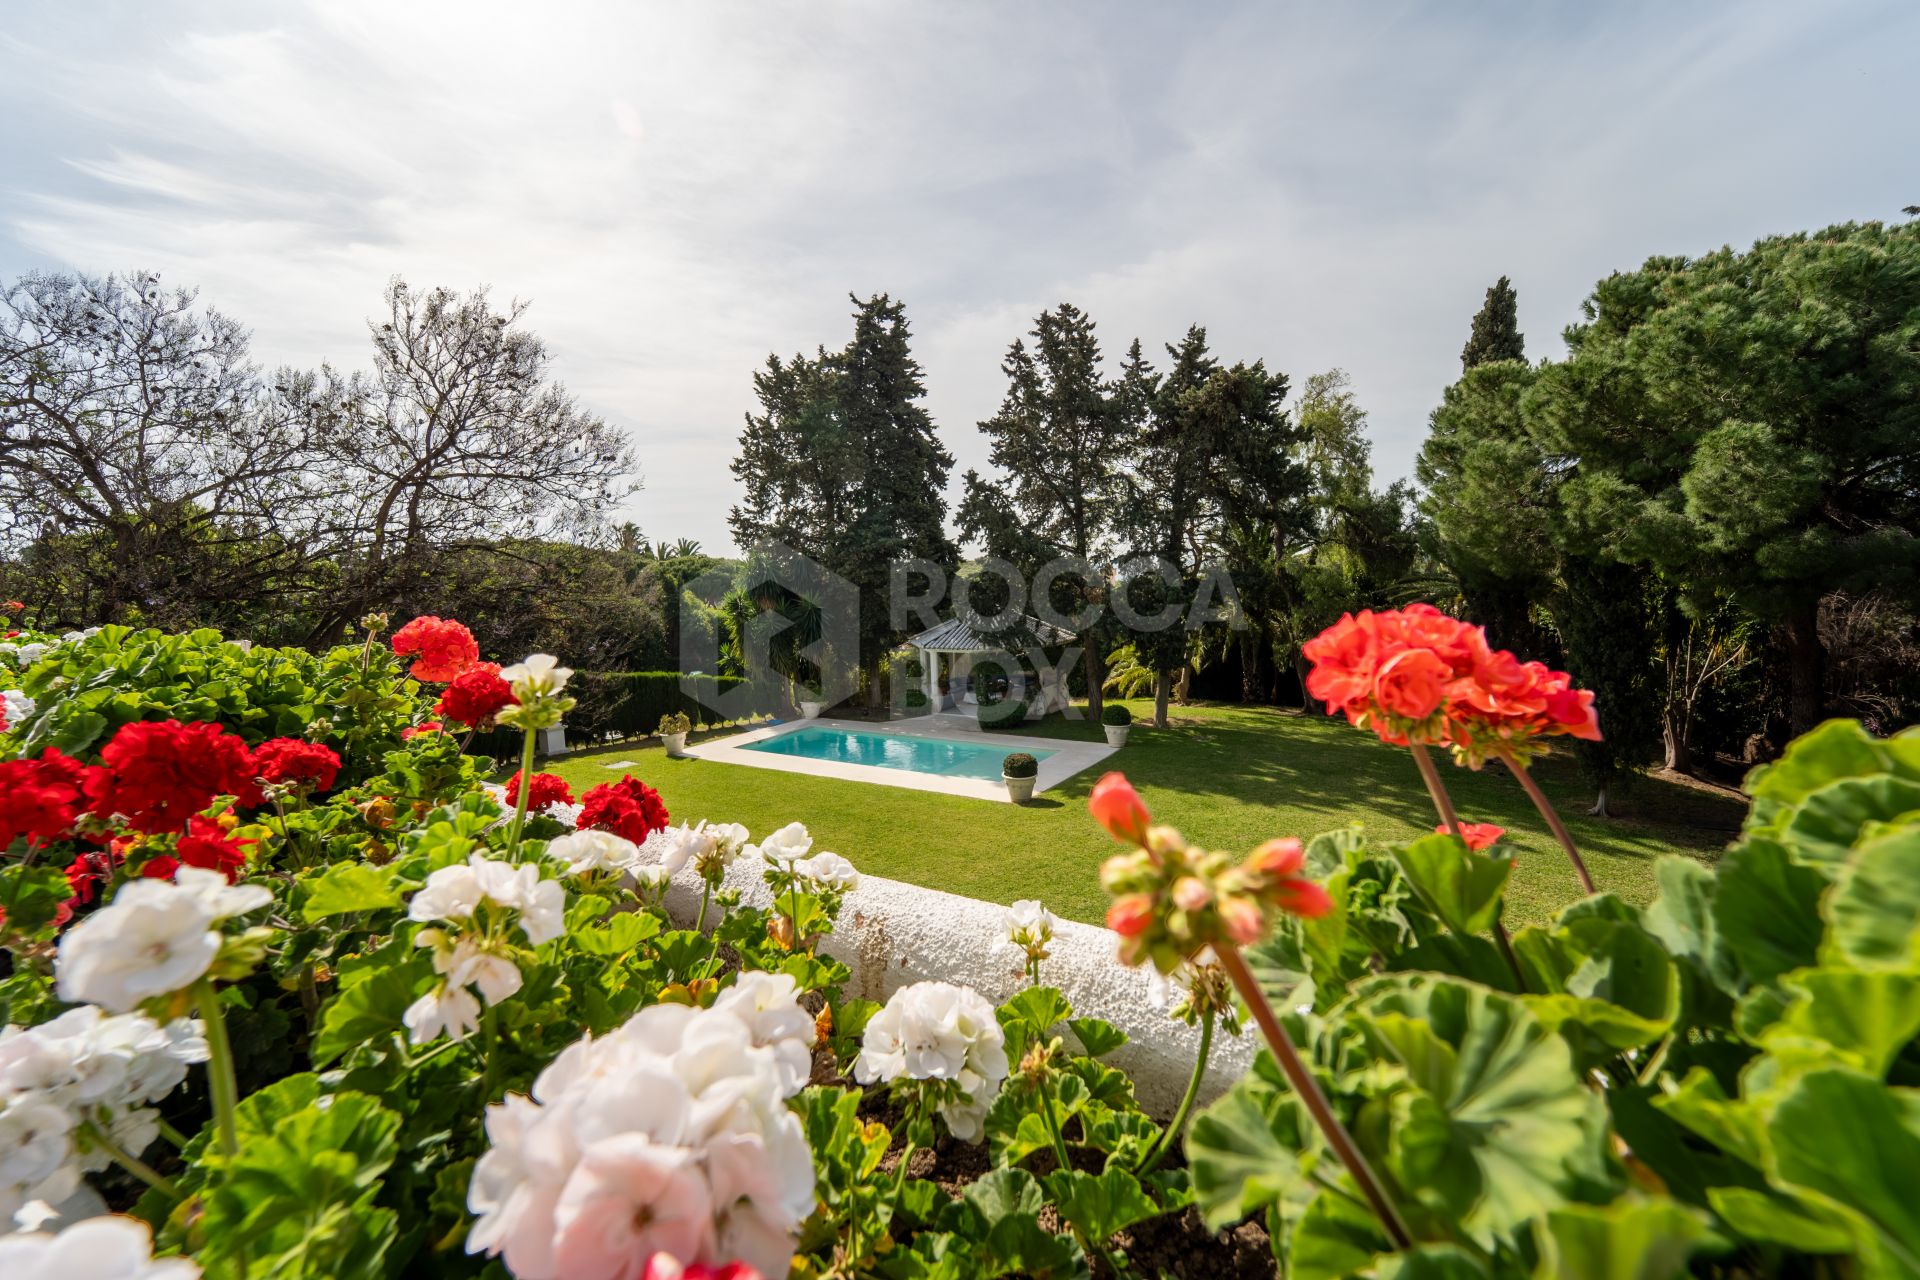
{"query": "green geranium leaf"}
{"type": "Point", "coordinates": [1336, 1237]}
{"type": "Point", "coordinates": [1100, 1205]}
{"type": "Point", "coordinates": [346, 887]}
{"type": "Point", "coordinates": [369, 1011]}
{"type": "Point", "coordinates": [31, 897]}
{"type": "Point", "coordinates": [1096, 1036]}
{"type": "Point", "coordinates": [1805, 1223]}
{"type": "Point", "coordinates": [1245, 1151]}
{"type": "Point", "coordinates": [1873, 913]}
{"type": "Point", "coordinates": [1866, 1017]}
{"type": "Point", "coordinates": [1463, 888]}
{"type": "Point", "coordinates": [1003, 1192]}
{"type": "Point", "coordinates": [1605, 984]}
{"type": "Point", "coordinates": [1626, 1240]}
{"type": "Point", "coordinates": [1828, 823]}
{"type": "Point", "coordinates": [1432, 1262]}
{"type": "Point", "coordinates": [1029, 1015]}
{"type": "Point", "coordinates": [1847, 1137]}
{"type": "Point", "coordinates": [1835, 750]}
{"type": "Point", "coordinates": [1496, 1125]}
{"type": "Point", "coordinates": [1767, 909]}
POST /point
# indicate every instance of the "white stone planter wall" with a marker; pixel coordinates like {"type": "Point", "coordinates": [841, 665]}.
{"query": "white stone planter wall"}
{"type": "Point", "coordinates": [892, 934]}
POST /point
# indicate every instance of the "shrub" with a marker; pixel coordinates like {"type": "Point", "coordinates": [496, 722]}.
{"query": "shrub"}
{"type": "Point", "coordinates": [678, 722]}
{"type": "Point", "coordinates": [1003, 715]}
{"type": "Point", "coordinates": [1115, 714]}
{"type": "Point", "coordinates": [916, 699]}
{"type": "Point", "coordinates": [1019, 765]}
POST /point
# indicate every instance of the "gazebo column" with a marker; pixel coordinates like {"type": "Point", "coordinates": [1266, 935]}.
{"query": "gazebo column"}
{"type": "Point", "coordinates": [930, 663]}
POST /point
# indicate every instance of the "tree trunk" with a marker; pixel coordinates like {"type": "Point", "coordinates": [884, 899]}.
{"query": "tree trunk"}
{"type": "Point", "coordinates": [1162, 686]}
{"type": "Point", "coordinates": [1807, 703]}
{"type": "Point", "coordinates": [1301, 667]}
{"type": "Point", "coordinates": [1673, 733]}
{"type": "Point", "coordinates": [1096, 672]}
{"type": "Point", "coordinates": [1600, 809]}
{"type": "Point", "coordinates": [1183, 686]}
{"type": "Point", "coordinates": [1250, 687]}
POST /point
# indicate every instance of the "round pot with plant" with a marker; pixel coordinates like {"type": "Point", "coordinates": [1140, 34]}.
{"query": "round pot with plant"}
{"type": "Point", "coordinates": [1118, 722]}
{"type": "Point", "coordinates": [1019, 771]}
{"type": "Point", "coordinates": [674, 730]}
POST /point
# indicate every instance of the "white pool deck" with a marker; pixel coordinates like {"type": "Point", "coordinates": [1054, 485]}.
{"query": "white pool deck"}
{"type": "Point", "coordinates": [1065, 760]}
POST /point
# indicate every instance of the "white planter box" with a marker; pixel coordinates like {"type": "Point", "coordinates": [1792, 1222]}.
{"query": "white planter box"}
{"type": "Point", "coordinates": [1117, 734]}
{"type": "Point", "coordinates": [676, 743]}
{"type": "Point", "coordinates": [1019, 790]}
{"type": "Point", "coordinates": [810, 710]}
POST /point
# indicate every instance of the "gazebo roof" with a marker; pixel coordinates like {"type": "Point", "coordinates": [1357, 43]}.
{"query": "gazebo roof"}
{"type": "Point", "coordinates": [956, 636]}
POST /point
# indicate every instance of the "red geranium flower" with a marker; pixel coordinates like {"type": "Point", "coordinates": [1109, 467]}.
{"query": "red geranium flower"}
{"type": "Point", "coordinates": [1478, 835]}
{"type": "Point", "coordinates": [415, 730]}
{"type": "Point", "coordinates": [1116, 806]}
{"type": "Point", "coordinates": [87, 870]}
{"type": "Point", "coordinates": [444, 647]}
{"type": "Point", "coordinates": [476, 695]}
{"type": "Point", "coordinates": [39, 799]}
{"type": "Point", "coordinates": [1392, 671]}
{"type": "Point", "coordinates": [15, 606]}
{"type": "Point", "coordinates": [662, 1267]}
{"type": "Point", "coordinates": [282, 760]}
{"type": "Point", "coordinates": [155, 773]}
{"type": "Point", "coordinates": [207, 845]}
{"type": "Point", "coordinates": [547, 789]}
{"type": "Point", "coordinates": [629, 808]}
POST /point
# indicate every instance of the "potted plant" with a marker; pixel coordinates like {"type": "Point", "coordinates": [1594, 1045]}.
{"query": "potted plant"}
{"type": "Point", "coordinates": [1019, 771]}
{"type": "Point", "coordinates": [810, 710]}
{"type": "Point", "coordinates": [673, 731]}
{"type": "Point", "coordinates": [1118, 722]}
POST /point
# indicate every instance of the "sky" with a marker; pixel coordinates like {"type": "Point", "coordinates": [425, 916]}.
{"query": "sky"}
{"type": "Point", "coordinates": [679, 190]}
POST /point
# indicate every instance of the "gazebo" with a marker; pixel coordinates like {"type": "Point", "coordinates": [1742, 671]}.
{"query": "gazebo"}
{"type": "Point", "coordinates": [961, 643]}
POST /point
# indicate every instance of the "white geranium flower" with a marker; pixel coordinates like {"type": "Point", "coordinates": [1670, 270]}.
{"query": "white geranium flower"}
{"type": "Point", "coordinates": [153, 939]}
{"type": "Point", "coordinates": [767, 1004]}
{"type": "Point", "coordinates": [451, 893]}
{"type": "Point", "coordinates": [216, 896]}
{"type": "Point", "coordinates": [828, 871]}
{"type": "Point", "coordinates": [541, 673]}
{"type": "Point", "coordinates": [470, 964]}
{"type": "Point", "coordinates": [105, 1248]}
{"type": "Point", "coordinates": [669, 1135]}
{"type": "Point", "coordinates": [787, 845]}
{"type": "Point", "coordinates": [732, 837]}
{"type": "Point", "coordinates": [938, 1031]}
{"type": "Point", "coordinates": [628, 1199]}
{"type": "Point", "coordinates": [650, 877]}
{"type": "Point", "coordinates": [584, 852]}
{"type": "Point", "coordinates": [447, 1009]}
{"type": "Point", "coordinates": [33, 1139]}
{"type": "Point", "coordinates": [15, 706]}
{"type": "Point", "coordinates": [28, 654]}
{"type": "Point", "coordinates": [543, 916]}
{"type": "Point", "coordinates": [1029, 923]}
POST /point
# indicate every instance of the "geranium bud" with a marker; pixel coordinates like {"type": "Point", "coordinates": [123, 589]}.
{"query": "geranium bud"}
{"type": "Point", "coordinates": [1190, 893]}
{"type": "Point", "coordinates": [1278, 858]}
{"type": "Point", "coordinates": [1241, 919]}
{"type": "Point", "coordinates": [1164, 842]}
{"type": "Point", "coordinates": [1116, 806]}
{"type": "Point", "coordinates": [1130, 916]}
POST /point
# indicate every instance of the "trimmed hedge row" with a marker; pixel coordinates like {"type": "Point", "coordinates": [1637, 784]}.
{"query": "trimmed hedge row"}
{"type": "Point", "coordinates": [629, 704]}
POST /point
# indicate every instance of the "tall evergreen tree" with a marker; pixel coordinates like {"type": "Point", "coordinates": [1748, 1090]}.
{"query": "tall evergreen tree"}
{"type": "Point", "coordinates": [1496, 329]}
{"type": "Point", "coordinates": [1058, 442]}
{"type": "Point", "coordinates": [844, 464]}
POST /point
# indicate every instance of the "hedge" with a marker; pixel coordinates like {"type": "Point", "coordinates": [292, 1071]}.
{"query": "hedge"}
{"type": "Point", "coordinates": [629, 704]}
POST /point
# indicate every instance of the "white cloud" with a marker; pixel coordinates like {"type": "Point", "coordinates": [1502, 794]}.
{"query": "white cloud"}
{"type": "Point", "coordinates": [681, 189]}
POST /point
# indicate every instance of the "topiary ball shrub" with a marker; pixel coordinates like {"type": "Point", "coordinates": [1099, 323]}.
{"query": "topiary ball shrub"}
{"type": "Point", "coordinates": [1115, 714]}
{"type": "Point", "coordinates": [1003, 715]}
{"type": "Point", "coordinates": [1019, 765]}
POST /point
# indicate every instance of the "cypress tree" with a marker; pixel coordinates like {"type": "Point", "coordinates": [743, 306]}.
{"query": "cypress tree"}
{"type": "Point", "coordinates": [1496, 329]}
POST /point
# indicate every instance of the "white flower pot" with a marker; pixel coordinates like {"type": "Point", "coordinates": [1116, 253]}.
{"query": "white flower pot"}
{"type": "Point", "coordinates": [1019, 790]}
{"type": "Point", "coordinates": [676, 743]}
{"type": "Point", "coordinates": [1117, 734]}
{"type": "Point", "coordinates": [810, 710]}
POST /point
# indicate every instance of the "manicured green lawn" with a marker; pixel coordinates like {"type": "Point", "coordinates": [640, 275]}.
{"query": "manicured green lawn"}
{"type": "Point", "coordinates": [1227, 776]}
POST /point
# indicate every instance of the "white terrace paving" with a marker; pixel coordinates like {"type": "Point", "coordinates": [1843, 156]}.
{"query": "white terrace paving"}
{"type": "Point", "coordinates": [1063, 761]}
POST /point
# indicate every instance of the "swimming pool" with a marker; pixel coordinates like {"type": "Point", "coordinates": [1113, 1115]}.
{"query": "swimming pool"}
{"type": "Point", "coordinates": [943, 756]}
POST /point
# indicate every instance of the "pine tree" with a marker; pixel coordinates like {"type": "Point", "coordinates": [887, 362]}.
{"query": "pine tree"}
{"type": "Point", "coordinates": [844, 464]}
{"type": "Point", "coordinates": [1496, 329]}
{"type": "Point", "coordinates": [1058, 441]}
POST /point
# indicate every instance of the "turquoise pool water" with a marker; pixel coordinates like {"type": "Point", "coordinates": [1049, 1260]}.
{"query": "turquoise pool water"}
{"type": "Point", "coordinates": [943, 756]}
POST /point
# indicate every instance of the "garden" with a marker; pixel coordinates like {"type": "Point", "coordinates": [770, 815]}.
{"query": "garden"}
{"type": "Point", "coordinates": [297, 985]}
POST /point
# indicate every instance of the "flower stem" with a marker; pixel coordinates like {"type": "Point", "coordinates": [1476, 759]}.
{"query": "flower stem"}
{"type": "Point", "coordinates": [221, 1084]}
{"type": "Point", "coordinates": [706, 896]}
{"type": "Point", "coordinates": [490, 1051]}
{"type": "Point", "coordinates": [520, 802]}
{"type": "Point", "coordinates": [1547, 811]}
{"type": "Point", "coordinates": [1178, 1124]}
{"type": "Point", "coordinates": [171, 1134]}
{"type": "Point", "coordinates": [1309, 1092]}
{"type": "Point", "coordinates": [1443, 805]}
{"type": "Point", "coordinates": [99, 1137]}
